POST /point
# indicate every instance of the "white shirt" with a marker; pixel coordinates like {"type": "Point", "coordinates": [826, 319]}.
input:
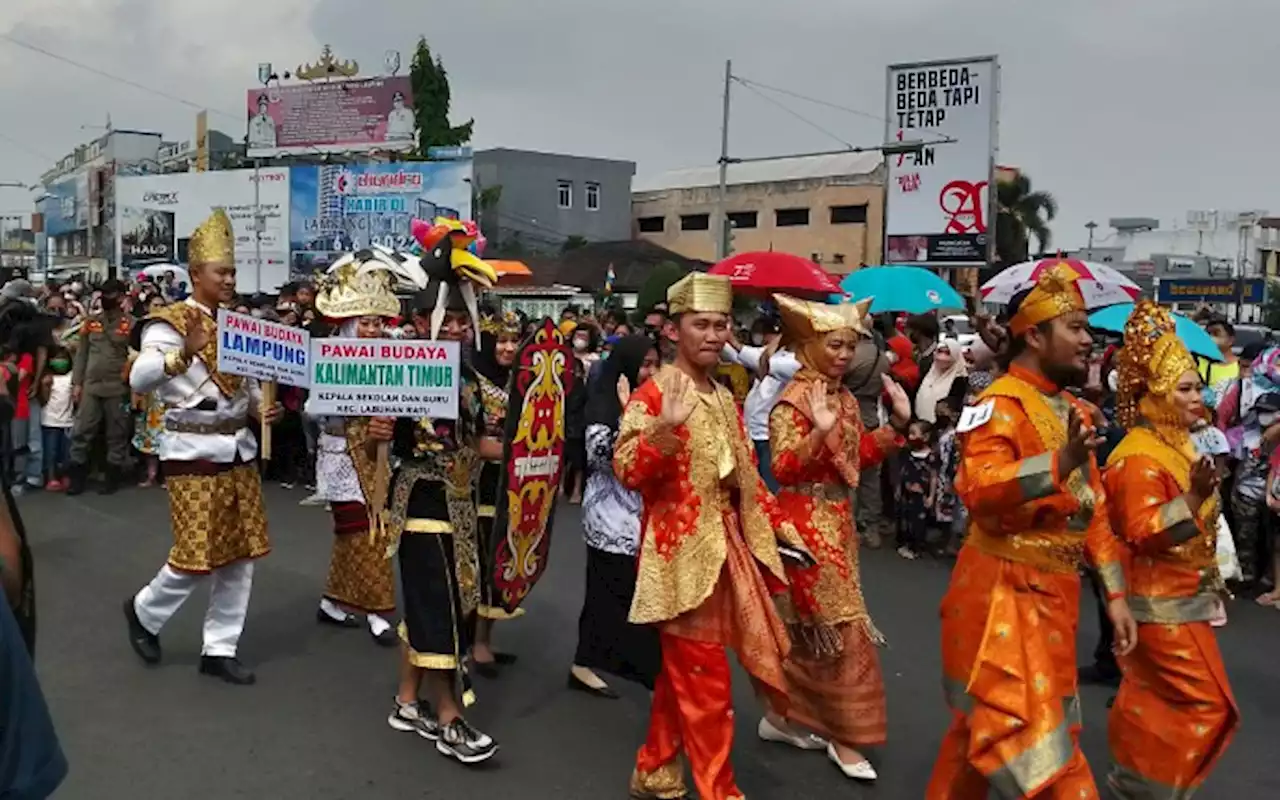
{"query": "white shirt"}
{"type": "Point", "coordinates": [262, 131]}
{"type": "Point", "coordinates": [610, 511]}
{"type": "Point", "coordinates": [182, 393]}
{"type": "Point", "coordinates": [59, 412]}
{"type": "Point", "coordinates": [765, 391]}
{"type": "Point", "coordinates": [336, 479]}
{"type": "Point", "coordinates": [400, 124]}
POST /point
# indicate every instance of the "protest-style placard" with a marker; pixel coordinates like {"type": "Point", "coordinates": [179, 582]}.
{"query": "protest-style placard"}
{"type": "Point", "coordinates": [264, 350]}
{"type": "Point", "coordinates": [384, 378]}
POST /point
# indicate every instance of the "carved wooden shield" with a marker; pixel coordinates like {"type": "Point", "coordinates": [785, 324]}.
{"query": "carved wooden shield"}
{"type": "Point", "coordinates": [533, 460]}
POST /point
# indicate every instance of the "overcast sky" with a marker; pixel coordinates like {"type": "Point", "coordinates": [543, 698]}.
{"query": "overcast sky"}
{"type": "Point", "coordinates": [1140, 107]}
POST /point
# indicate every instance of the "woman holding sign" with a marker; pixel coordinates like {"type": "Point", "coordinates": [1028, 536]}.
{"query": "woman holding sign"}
{"type": "Point", "coordinates": [360, 582]}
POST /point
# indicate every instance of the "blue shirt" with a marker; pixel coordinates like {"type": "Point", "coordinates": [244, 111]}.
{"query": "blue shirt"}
{"type": "Point", "coordinates": [31, 761]}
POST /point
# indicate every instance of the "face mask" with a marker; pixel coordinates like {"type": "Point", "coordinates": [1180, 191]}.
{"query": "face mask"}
{"type": "Point", "coordinates": [579, 344]}
{"type": "Point", "coordinates": [757, 339]}
{"type": "Point", "coordinates": [59, 366]}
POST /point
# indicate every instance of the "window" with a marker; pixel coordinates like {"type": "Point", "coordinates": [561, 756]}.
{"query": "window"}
{"type": "Point", "coordinates": [848, 215]}
{"type": "Point", "coordinates": [593, 197]}
{"type": "Point", "coordinates": [695, 222]}
{"type": "Point", "coordinates": [564, 194]}
{"type": "Point", "coordinates": [742, 219]}
{"type": "Point", "coordinates": [838, 258]}
{"type": "Point", "coordinates": [651, 224]}
{"type": "Point", "coordinates": [791, 217]}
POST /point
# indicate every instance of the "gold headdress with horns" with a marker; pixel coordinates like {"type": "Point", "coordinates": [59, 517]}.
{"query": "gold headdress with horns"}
{"type": "Point", "coordinates": [213, 242]}
{"type": "Point", "coordinates": [506, 323]}
{"type": "Point", "coordinates": [1055, 293]}
{"type": "Point", "coordinates": [803, 320]}
{"type": "Point", "coordinates": [1149, 366]}
{"type": "Point", "coordinates": [355, 288]}
{"type": "Point", "coordinates": [700, 293]}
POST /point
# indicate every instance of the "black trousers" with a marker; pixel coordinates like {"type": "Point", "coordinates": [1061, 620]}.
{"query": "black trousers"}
{"type": "Point", "coordinates": [1104, 658]}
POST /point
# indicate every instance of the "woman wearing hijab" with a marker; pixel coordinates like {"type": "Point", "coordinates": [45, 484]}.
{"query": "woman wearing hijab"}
{"type": "Point", "coordinates": [946, 378]}
{"type": "Point", "coordinates": [611, 522]}
{"type": "Point", "coordinates": [1175, 713]}
{"type": "Point", "coordinates": [500, 336]}
{"type": "Point", "coordinates": [819, 447]}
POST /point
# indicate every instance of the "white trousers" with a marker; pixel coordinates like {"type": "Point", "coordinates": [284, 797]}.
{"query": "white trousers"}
{"type": "Point", "coordinates": [228, 603]}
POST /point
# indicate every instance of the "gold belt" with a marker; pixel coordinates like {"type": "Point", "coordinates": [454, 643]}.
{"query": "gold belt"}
{"type": "Point", "coordinates": [1058, 551]}
{"type": "Point", "coordinates": [222, 427]}
{"type": "Point", "coordinates": [1173, 610]}
{"type": "Point", "coordinates": [428, 526]}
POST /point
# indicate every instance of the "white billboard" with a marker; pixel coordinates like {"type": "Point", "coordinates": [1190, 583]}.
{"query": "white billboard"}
{"type": "Point", "coordinates": [156, 215]}
{"type": "Point", "coordinates": [941, 200]}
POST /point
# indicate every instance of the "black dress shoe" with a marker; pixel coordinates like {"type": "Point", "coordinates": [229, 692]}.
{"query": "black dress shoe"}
{"type": "Point", "coordinates": [349, 621]}
{"type": "Point", "coordinates": [145, 643]}
{"type": "Point", "coordinates": [485, 669]}
{"type": "Point", "coordinates": [77, 476]}
{"type": "Point", "coordinates": [111, 482]}
{"type": "Point", "coordinates": [388, 638]}
{"type": "Point", "coordinates": [227, 668]}
{"type": "Point", "coordinates": [577, 685]}
{"type": "Point", "coordinates": [505, 659]}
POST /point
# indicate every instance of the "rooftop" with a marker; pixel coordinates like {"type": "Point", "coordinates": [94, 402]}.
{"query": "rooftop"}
{"type": "Point", "coordinates": [772, 171]}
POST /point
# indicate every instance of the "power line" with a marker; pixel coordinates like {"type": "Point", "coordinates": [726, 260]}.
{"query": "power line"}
{"type": "Point", "coordinates": [110, 76]}
{"type": "Point", "coordinates": [793, 113]}
{"type": "Point", "coordinates": [806, 98]}
{"type": "Point", "coordinates": [23, 146]}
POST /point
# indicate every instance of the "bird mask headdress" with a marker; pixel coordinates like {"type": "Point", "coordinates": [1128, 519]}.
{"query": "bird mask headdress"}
{"type": "Point", "coordinates": [447, 260]}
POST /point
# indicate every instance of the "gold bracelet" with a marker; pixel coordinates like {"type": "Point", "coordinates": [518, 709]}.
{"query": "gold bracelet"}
{"type": "Point", "coordinates": [175, 364]}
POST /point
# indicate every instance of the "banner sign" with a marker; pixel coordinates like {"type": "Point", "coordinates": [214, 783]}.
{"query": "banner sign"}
{"type": "Point", "coordinates": [146, 237]}
{"type": "Point", "coordinates": [1209, 290]}
{"type": "Point", "coordinates": [347, 116]}
{"type": "Point", "coordinates": [264, 350]}
{"type": "Point", "coordinates": [385, 378]}
{"type": "Point", "coordinates": [940, 200]}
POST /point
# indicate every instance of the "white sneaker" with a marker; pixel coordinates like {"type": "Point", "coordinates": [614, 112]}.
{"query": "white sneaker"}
{"type": "Point", "coordinates": [801, 741]}
{"type": "Point", "coordinates": [312, 500]}
{"type": "Point", "coordinates": [862, 771]}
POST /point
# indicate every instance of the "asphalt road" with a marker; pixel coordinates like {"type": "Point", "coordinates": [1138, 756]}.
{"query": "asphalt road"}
{"type": "Point", "coordinates": [314, 727]}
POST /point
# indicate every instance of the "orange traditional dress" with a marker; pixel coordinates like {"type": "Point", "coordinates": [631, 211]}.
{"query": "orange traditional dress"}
{"type": "Point", "coordinates": [708, 564]}
{"type": "Point", "coordinates": [1175, 713]}
{"type": "Point", "coordinates": [1010, 615]}
{"type": "Point", "coordinates": [833, 673]}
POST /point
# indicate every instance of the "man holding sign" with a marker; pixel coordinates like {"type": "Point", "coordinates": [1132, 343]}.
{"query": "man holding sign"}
{"type": "Point", "coordinates": [207, 453]}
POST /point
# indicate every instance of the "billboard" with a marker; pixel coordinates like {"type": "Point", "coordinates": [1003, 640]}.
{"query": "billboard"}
{"type": "Point", "coordinates": [335, 209]}
{"type": "Point", "coordinates": [940, 200]}
{"type": "Point", "coordinates": [65, 205]}
{"type": "Point", "coordinates": [156, 215]}
{"type": "Point", "coordinates": [1210, 290]}
{"type": "Point", "coordinates": [359, 115]}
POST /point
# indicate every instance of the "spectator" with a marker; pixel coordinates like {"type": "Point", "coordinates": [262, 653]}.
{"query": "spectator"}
{"type": "Point", "coordinates": [945, 379]}
{"type": "Point", "coordinates": [56, 419]}
{"type": "Point", "coordinates": [916, 491]}
{"type": "Point", "coordinates": [100, 391]}
{"type": "Point", "coordinates": [922, 330]}
{"type": "Point", "coordinates": [1218, 375]}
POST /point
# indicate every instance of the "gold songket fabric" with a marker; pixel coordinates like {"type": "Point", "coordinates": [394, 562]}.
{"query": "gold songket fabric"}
{"type": "Point", "coordinates": [1054, 294]}
{"type": "Point", "coordinates": [176, 315]}
{"type": "Point", "coordinates": [699, 293]}
{"type": "Point", "coordinates": [217, 514]}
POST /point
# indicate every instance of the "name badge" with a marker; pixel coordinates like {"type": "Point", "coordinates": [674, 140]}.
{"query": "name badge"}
{"type": "Point", "coordinates": [976, 416]}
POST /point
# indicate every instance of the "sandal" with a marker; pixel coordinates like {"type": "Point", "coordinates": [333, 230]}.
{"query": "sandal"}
{"type": "Point", "coordinates": [1271, 598]}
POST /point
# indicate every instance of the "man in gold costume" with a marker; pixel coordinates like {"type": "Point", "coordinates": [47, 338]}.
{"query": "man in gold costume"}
{"type": "Point", "coordinates": [208, 456]}
{"type": "Point", "coordinates": [709, 559]}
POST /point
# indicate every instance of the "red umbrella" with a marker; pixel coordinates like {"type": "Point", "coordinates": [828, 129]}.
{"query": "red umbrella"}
{"type": "Point", "coordinates": [776, 272]}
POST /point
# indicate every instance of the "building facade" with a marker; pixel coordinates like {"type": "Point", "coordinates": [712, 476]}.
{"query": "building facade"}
{"type": "Point", "coordinates": [547, 199]}
{"type": "Point", "coordinates": [829, 209]}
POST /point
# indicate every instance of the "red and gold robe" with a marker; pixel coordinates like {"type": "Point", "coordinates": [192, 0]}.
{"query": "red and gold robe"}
{"type": "Point", "coordinates": [1009, 617]}
{"type": "Point", "coordinates": [1175, 714]}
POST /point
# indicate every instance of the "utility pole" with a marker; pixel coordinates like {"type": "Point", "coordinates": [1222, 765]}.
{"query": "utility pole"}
{"type": "Point", "coordinates": [722, 203]}
{"type": "Point", "coordinates": [1091, 226]}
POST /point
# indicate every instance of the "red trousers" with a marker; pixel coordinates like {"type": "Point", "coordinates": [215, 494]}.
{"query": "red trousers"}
{"type": "Point", "coordinates": [692, 712]}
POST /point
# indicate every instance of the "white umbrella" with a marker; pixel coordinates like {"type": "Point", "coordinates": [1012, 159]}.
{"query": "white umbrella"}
{"type": "Point", "coordinates": [1099, 284]}
{"type": "Point", "coordinates": [180, 274]}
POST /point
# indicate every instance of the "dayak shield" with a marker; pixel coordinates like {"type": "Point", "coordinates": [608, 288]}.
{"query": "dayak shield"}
{"type": "Point", "coordinates": [533, 459]}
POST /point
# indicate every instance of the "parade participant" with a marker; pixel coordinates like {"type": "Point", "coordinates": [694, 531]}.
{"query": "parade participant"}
{"type": "Point", "coordinates": [1030, 481]}
{"type": "Point", "coordinates": [819, 445]}
{"type": "Point", "coordinates": [499, 341]}
{"type": "Point", "coordinates": [1175, 714]}
{"type": "Point", "coordinates": [361, 580]}
{"type": "Point", "coordinates": [207, 454]}
{"type": "Point", "coordinates": [707, 546]}
{"type": "Point", "coordinates": [433, 514]}
{"type": "Point", "coordinates": [99, 389]}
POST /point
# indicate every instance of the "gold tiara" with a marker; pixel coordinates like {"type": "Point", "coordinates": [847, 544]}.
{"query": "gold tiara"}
{"type": "Point", "coordinates": [498, 324]}
{"type": "Point", "coordinates": [804, 319]}
{"type": "Point", "coordinates": [213, 242]}
{"type": "Point", "coordinates": [699, 292]}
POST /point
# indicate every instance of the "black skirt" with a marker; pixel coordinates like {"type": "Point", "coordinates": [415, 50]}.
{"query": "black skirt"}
{"type": "Point", "coordinates": [606, 640]}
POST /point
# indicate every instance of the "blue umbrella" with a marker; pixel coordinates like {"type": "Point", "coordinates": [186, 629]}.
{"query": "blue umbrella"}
{"type": "Point", "coordinates": [912, 290]}
{"type": "Point", "coordinates": [1112, 318]}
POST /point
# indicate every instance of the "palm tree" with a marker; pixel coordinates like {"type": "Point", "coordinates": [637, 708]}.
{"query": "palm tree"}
{"type": "Point", "coordinates": [1023, 214]}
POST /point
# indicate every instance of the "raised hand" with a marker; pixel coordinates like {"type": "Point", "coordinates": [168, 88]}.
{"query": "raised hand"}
{"type": "Point", "coordinates": [1082, 440]}
{"type": "Point", "coordinates": [624, 390]}
{"type": "Point", "coordinates": [675, 407]}
{"type": "Point", "coordinates": [197, 337]}
{"type": "Point", "coordinates": [1204, 480]}
{"type": "Point", "coordinates": [899, 403]}
{"type": "Point", "coordinates": [824, 417]}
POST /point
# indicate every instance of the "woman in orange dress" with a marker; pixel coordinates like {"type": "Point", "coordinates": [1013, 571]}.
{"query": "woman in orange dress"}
{"type": "Point", "coordinates": [815, 433]}
{"type": "Point", "coordinates": [1175, 713]}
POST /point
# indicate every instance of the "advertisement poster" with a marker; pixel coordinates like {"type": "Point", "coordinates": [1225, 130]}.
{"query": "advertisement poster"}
{"type": "Point", "coordinates": [264, 350]}
{"type": "Point", "coordinates": [384, 378]}
{"type": "Point", "coordinates": [146, 237]}
{"type": "Point", "coordinates": [1211, 290]}
{"type": "Point", "coordinates": [65, 206]}
{"type": "Point", "coordinates": [940, 200]}
{"type": "Point", "coordinates": [346, 116]}
{"type": "Point", "coordinates": [336, 209]}
{"type": "Point", "coordinates": [190, 197]}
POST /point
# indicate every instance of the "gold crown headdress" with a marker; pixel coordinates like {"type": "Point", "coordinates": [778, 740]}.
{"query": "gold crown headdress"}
{"type": "Point", "coordinates": [507, 323]}
{"type": "Point", "coordinates": [803, 320]}
{"type": "Point", "coordinates": [1055, 293]}
{"type": "Point", "coordinates": [357, 287]}
{"type": "Point", "coordinates": [213, 242]}
{"type": "Point", "coordinates": [698, 293]}
{"type": "Point", "coordinates": [1151, 362]}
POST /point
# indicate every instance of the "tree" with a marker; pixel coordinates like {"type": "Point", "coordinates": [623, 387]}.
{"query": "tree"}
{"type": "Point", "coordinates": [573, 243]}
{"type": "Point", "coordinates": [1023, 214]}
{"type": "Point", "coordinates": [655, 287]}
{"type": "Point", "coordinates": [431, 101]}
{"type": "Point", "coordinates": [1271, 307]}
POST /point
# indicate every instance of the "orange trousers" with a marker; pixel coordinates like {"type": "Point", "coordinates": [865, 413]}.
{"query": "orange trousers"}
{"type": "Point", "coordinates": [954, 777]}
{"type": "Point", "coordinates": [692, 712]}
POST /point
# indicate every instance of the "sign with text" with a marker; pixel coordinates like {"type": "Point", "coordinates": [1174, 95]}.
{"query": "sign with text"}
{"type": "Point", "coordinates": [348, 116]}
{"type": "Point", "coordinates": [385, 378]}
{"type": "Point", "coordinates": [1202, 290]}
{"type": "Point", "coordinates": [264, 350]}
{"type": "Point", "coordinates": [940, 199]}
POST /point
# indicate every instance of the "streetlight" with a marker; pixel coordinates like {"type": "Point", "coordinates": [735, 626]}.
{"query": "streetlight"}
{"type": "Point", "coordinates": [1091, 226]}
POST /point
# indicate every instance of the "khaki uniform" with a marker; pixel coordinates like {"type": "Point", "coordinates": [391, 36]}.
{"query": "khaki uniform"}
{"type": "Point", "coordinates": [99, 371]}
